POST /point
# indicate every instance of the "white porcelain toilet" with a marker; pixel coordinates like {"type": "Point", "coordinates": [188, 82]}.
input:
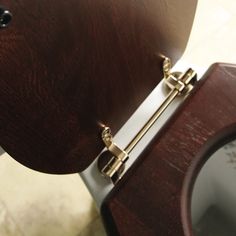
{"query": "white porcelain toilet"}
{"type": "Point", "coordinates": [214, 195]}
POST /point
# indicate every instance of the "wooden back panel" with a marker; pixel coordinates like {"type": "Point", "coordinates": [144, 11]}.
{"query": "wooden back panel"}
{"type": "Point", "coordinates": [68, 66]}
{"type": "Point", "coordinates": [154, 198]}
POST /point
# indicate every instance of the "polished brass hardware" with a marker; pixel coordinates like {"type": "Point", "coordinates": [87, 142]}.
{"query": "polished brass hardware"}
{"type": "Point", "coordinates": [119, 157]}
{"type": "Point", "coordinates": [179, 84]}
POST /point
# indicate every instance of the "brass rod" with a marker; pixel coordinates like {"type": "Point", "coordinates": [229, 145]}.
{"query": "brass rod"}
{"type": "Point", "coordinates": [171, 96]}
{"type": "Point", "coordinates": [179, 84]}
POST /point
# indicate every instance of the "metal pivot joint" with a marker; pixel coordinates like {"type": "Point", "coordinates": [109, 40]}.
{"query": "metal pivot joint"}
{"type": "Point", "coordinates": [115, 165]}
{"type": "Point", "coordinates": [178, 84]}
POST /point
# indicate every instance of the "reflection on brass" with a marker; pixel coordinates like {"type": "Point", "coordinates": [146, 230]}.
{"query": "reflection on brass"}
{"type": "Point", "coordinates": [116, 163]}
{"type": "Point", "coordinates": [179, 84]}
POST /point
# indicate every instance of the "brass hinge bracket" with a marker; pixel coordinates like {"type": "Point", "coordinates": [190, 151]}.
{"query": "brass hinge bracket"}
{"type": "Point", "coordinates": [179, 84]}
{"type": "Point", "coordinates": [115, 164]}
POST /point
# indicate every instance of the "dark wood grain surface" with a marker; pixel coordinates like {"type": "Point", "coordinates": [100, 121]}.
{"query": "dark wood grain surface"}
{"type": "Point", "coordinates": [68, 66]}
{"type": "Point", "coordinates": [154, 197]}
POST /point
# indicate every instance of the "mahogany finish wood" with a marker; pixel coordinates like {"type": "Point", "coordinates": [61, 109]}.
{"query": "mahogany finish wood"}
{"type": "Point", "coordinates": [154, 197]}
{"type": "Point", "coordinates": [68, 66]}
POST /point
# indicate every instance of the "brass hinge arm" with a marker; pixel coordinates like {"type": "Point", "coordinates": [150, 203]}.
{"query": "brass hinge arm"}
{"type": "Point", "coordinates": [180, 84]}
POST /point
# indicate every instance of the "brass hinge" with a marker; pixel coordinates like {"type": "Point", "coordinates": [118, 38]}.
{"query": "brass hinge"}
{"type": "Point", "coordinates": [179, 84]}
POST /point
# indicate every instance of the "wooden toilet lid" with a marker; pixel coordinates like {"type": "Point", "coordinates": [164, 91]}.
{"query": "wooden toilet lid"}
{"type": "Point", "coordinates": [66, 67]}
